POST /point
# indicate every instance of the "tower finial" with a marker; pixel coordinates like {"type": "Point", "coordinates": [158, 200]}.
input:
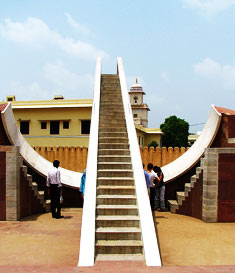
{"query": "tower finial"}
{"type": "Point", "coordinates": [136, 80]}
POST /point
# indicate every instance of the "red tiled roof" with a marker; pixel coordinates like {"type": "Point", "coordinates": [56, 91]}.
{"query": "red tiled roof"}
{"type": "Point", "coordinates": [226, 111]}
{"type": "Point", "coordinates": [3, 106]}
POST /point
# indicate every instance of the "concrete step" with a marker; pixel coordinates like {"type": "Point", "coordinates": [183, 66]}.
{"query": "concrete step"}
{"type": "Point", "coordinates": [117, 221]}
{"type": "Point", "coordinates": [114, 140]}
{"type": "Point", "coordinates": [114, 190]}
{"type": "Point", "coordinates": [119, 247]}
{"type": "Point", "coordinates": [112, 111]}
{"type": "Point", "coordinates": [114, 158]}
{"type": "Point", "coordinates": [113, 124]}
{"type": "Point", "coordinates": [118, 233]}
{"type": "Point", "coordinates": [120, 129]}
{"type": "Point", "coordinates": [112, 108]}
{"type": "Point", "coordinates": [47, 205]}
{"type": "Point", "coordinates": [111, 104]}
{"type": "Point", "coordinates": [173, 205]}
{"type": "Point", "coordinates": [109, 96]}
{"type": "Point", "coordinates": [180, 197]}
{"type": "Point", "coordinates": [116, 210]}
{"type": "Point", "coordinates": [112, 120]}
{"type": "Point", "coordinates": [187, 187]}
{"type": "Point", "coordinates": [193, 179]}
{"type": "Point", "coordinates": [119, 257]}
{"type": "Point", "coordinates": [115, 181]}
{"type": "Point", "coordinates": [116, 200]}
{"type": "Point", "coordinates": [114, 173]}
{"type": "Point", "coordinates": [114, 146]}
{"type": "Point", "coordinates": [108, 99]}
{"type": "Point", "coordinates": [113, 134]}
{"type": "Point", "coordinates": [113, 115]}
{"type": "Point", "coordinates": [114, 165]}
{"type": "Point", "coordinates": [108, 81]}
{"type": "Point", "coordinates": [115, 152]}
{"type": "Point", "coordinates": [34, 186]}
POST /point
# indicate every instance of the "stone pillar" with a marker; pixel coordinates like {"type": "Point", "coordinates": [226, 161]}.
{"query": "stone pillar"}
{"type": "Point", "coordinates": [13, 163]}
{"type": "Point", "coordinates": [210, 186]}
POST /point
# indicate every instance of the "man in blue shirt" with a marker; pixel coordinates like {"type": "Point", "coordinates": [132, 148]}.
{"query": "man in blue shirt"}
{"type": "Point", "coordinates": [146, 179]}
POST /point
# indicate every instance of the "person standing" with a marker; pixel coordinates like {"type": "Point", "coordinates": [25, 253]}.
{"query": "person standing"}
{"type": "Point", "coordinates": [55, 189]}
{"type": "Point", "coordinates": [82, 184]}
{"type": "Point", "coordinates": [160, 189]}
{"type": "Point", "coordinates": [152, 176]}
{"type": "Point", "coordinates": [147, 180]}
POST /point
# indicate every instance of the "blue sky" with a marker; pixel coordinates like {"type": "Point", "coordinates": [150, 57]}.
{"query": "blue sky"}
{"type": "Point", "coordinates": [181, 51]}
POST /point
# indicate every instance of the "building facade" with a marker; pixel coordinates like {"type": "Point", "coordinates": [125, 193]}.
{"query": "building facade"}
{"type": "Point", "coordinates": [62, 122]}
{"type": "Point", "coordinates": [56, 122]}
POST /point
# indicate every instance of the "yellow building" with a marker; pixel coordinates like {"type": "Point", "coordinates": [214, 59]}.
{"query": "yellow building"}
{"type": "Point", "coordinates": [56, 122]}
{"type": "Point", "coordinates": [61, 122]}
{"type": "Point", "coordinates": [147, 135]}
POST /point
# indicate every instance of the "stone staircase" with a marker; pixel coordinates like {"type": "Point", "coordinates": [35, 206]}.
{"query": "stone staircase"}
{"type": "Point", "coordinates": [182, 195]}
{"type": "Point", "coordinates": [34, 186]}
{"type": "Point", "coordinates": [118, 233]}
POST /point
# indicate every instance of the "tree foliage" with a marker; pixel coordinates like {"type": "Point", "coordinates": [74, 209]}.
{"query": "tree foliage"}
{"type": "Point", "coordinates": [175, 131]}
{"type": "Point", "coordinates": [153, 144]}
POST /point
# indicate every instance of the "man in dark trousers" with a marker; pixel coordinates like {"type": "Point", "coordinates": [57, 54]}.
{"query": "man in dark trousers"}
{"type": "Point", "coordinates": [55, 189]}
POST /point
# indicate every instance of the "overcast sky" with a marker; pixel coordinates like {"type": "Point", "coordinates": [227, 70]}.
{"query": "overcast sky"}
{"type": "Point", "coordinates": [182, 51]}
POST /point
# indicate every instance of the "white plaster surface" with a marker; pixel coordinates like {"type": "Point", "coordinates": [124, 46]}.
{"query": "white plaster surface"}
{"type": "Point", "coordinates": [194, 153]}
{"type": "Point", "coordinates": [151, 250]}
{"type": "Point", "coordinates": [87, 241]}
{"type": "Point", "coordinates": [33, 159]}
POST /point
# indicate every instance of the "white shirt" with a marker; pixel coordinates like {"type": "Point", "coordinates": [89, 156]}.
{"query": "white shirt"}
{"type": "Point", "coordinates": [53, 177]}
{"type": "Point", "coordinates": [152, 175]}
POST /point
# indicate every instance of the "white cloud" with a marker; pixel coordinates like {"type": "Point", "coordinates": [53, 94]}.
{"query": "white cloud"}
{"type": "Point", "coordinates": [79, 27]}
{"type": "Point", "coordinates": [34, 32]}
{"type": "Point", "coordinates": [64, 81]}
{"type": "Point", "coordinates": [209, 8]}
{"type": "Point", "coordinates": [212, 70]}
{"type": "Point", "coordinates": [30, 91]}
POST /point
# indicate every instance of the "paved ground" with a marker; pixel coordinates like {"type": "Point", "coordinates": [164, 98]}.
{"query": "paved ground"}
{"type": "Point", "coordinates": [44, 244]}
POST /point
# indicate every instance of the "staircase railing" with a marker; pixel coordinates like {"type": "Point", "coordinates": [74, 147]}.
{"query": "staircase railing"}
{"type": "Point", "coordinates": [87, 241]}
{"type": "Point", "coordinates": [151, 250]}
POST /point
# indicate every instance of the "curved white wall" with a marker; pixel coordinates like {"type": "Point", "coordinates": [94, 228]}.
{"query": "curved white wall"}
{"type": "Point", "coordinates": [194, 153]}
{"type": "Point", "coordinates": [33, 159]}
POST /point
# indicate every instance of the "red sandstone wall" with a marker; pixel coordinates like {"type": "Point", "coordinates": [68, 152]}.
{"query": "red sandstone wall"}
{"type": "Point", "coordinates": [2, 186]}
{"type": "Point", "coordinates": [192, 205]}
{"type": "Point", "coordinates": [226, 188]}
{"type": "Point", "coordinates": [29, 204]}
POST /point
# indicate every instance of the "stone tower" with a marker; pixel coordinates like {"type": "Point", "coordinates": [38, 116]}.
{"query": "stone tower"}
{"type": "Point", "coordinates": [139, 108]}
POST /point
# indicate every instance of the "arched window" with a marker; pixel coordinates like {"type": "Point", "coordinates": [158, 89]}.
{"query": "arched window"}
{"type": "Point", "coordinates": [136, 99]}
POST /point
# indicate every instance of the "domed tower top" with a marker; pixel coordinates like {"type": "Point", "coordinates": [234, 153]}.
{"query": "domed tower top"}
{"type": "Point", "coordinates": [136, 87]}
{"type": "Point", "coordinates": [139, 108]}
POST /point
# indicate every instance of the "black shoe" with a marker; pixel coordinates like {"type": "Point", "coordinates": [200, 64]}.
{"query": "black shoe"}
{"type": "Point", "coordinates": [59, 217]}
{"type": "Point", "coordinates": [53, 216]}
{"type": "Point", "coordinates": [163, 209]}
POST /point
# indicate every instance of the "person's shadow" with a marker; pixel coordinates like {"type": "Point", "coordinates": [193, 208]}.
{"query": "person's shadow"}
{"type": "Point", "coordinates": [68, 217]}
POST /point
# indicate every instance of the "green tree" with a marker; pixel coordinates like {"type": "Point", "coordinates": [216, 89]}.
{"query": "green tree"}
{"type": "Point", "coordinates": [175, 131]}
{"type": "Point", "coordinates": [153, 144]}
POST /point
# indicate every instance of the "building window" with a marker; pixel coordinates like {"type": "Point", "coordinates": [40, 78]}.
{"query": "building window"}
{"type": "Point", "coordinates": [54, 127]}
{"type": "Point", "coordinates": [85, 127]}
{"type": "Point", "coordinates": [136, 99]}
{"type": "Point", "coordinates": [43, 125]}
{"type": "Point", "coordinates": [65, 124]}
{"type": "Point", "coordinates": [135, 116]}
{"type": "Point", "coordinates": [24, 127]}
